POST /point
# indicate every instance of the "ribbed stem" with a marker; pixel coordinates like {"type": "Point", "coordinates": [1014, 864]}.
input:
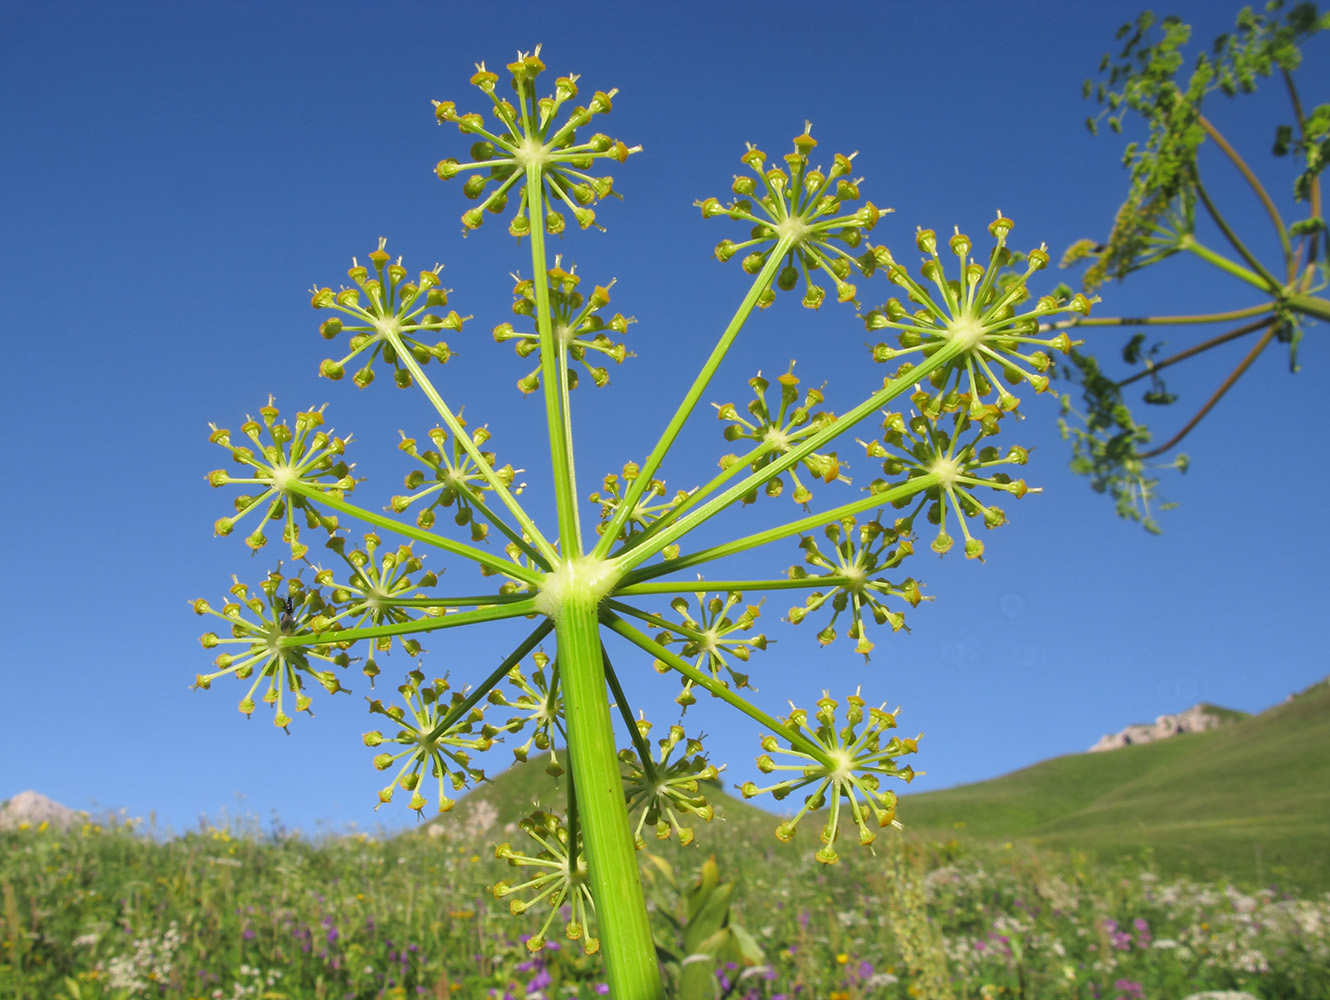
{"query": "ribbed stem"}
{"type": "Point", "coordinates": [621, 914]}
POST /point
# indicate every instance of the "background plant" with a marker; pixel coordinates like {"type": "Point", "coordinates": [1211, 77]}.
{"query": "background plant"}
{"type": "Point", "coordinates": [367, 917]}
{"type": "Point", "coordinates": [1171, 209]}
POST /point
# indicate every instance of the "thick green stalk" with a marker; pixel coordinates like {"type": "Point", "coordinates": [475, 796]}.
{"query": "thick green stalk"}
{"type": "Point", "coordinates": [621, 914]}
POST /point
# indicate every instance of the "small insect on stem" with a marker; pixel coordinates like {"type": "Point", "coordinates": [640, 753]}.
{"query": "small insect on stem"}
{"type": "Point", "coordinates": [288, 619]}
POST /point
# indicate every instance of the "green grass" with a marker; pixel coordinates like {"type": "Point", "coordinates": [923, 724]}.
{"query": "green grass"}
{"type": "Point", "coordinates": [1248, 802]}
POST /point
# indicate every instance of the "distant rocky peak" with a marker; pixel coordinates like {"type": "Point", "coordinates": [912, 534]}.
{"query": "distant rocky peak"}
{"type": "Point", "coordinates": [1196, 719]}
{"type": "Point", "coordinates": [33, 808]}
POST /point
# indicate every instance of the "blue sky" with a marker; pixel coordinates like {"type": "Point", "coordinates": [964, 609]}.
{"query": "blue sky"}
{"type": "Point", "coordinates": [176, 176]}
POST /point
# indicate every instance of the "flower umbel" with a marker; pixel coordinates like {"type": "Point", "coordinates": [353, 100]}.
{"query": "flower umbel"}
{"type": "Point", "coordinates": [457, 479]}
{"type": "Point", "coordinates": [577, 324]}
{"type": "Point", "coordinates": [858, 552]}
{"type": "Point", "coordinates": [308, 455]}
{"type": "Point", "coordinates": [801, 210]}
{"type": "Point", "coordinates": [859, 760]}
{"type": "Point", "coordinates": [977, 315]}
{"type": "Point", "coordinates": [662, 788]}
{"type": "Point", "coordinates": [273, 619]}
{"type": "Point", "coordinates": [645, 512]}
{"type": "Point", "coordinates": [390, 322]}
{"type": "Point", "coordinates": [921, 446]}
{"type": "Point", "coordinates": [530, 141]}
{"type": "Point", "coordinates": [781, 431]}
{"type": "Point", "coordinates": [540, 706]}
{"type": "Point", "coordinates": [375, 591]}
{"type": "Point", "coordinates": [713, 638]}
{"type": "Point", "coordinates": [434, 732]}
{"type": "Point", "coordinates": [561, 879]}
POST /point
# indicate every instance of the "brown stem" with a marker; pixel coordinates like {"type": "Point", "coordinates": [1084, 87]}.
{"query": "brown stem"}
{"type": "Point", "coordinates": [1223, 338]}
{"type": "Point", "coordinates": [1232, 237]}
{"type": "Point", "coordinates": [1233, 376]}
{"type": "Point", "coordinates": [1310, 243]}
{"type": "Point", "coordinates": [1251, 178]}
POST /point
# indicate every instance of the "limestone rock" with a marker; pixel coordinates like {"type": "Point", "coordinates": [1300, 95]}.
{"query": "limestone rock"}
{"type": "Point", "coordinates": [34, 808]}
{"type": "Point", "coordinates": [1196, 719]}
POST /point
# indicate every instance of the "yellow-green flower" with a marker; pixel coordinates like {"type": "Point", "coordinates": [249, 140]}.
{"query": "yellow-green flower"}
{"type": "Point", "coordinates": [530, 139]}
{"type": "Point", "coordinates": [850, 775]}
{"type": "Point", "coordinates": [978, 313]}
{"type": "Point", "coordinates": [804, 213]}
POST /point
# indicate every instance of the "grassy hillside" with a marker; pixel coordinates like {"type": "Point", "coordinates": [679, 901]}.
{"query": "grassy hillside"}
{"type": "Point", "coordinates": [524, 787]}
{"type": "Point", "coordinates": [1250, 801]}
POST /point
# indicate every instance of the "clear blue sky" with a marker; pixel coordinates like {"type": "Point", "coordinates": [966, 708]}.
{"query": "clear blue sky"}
{"type": "Point", "coordinates": [174, 177]}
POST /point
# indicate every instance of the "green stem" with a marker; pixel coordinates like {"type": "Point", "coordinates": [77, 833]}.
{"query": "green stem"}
{"type": "Point", "coordinates": [694, 498]}
{"type": "Point", "coordinates": [681, 415]}
{"type": "Point", "coordinates": [621, 914]}
{"type": "Point", "coordinates": [733, 586]}
{"type": "Point", "coordinates": [1268, 281]}
{"type": "Point", "coordinates": [501, 565]}
{"type": "Point", "coordinates": [1151, 367]}
{"type": "Point", "coordinates": [887, 497]}
{"type": "Point", "coordinates": [501, 671]}
{"type": "Point", "coordinates": [626, 713]}
{"type": "Point", "coordinates": [518, 610]}
{"type": "Point", "coordinates": [509, 533]}
{"type": "Point", "coordinates": [1194, 246]}
{"type": "Point", "coordinates": [1309, 305]}
{"type": "Point", "coordinates": [1252, 181]}
{"type": "Point", "coordinates": [553, 374]}
{"type": "Point", "coordinates": [1227, 384]}
{"type": "Point", "coordinates": [1193, 318]}
{"type": "Point", "coordinates": [458, 430]}
{"type": "Point", "coordinates": [705, 681]}
{"type": "Point", "coordinates": [939, 359]}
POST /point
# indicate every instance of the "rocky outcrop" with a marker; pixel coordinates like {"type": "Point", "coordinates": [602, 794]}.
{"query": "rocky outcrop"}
{"type": "Point", "coordinates": [34, 809]}
{"type": "Point", "coordinates": [1196, 719]}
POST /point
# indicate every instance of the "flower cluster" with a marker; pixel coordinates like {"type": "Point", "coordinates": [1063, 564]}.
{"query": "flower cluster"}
{"type": "Point", "coordinates": [263, 626]}
{"type": "Point", "coordinates": [920, 446]}
{"type": "Point", "coordinates": [434, 731]}
{"type": "Point", "coordinates": [308, 456]}
{"type": "Point", "coordinates": [577, 326]}
{"type": "Point", "coordinates": [561, 879]}
{"type": "Point", "coordinates": [645, 512]}
{"type": "Point", "coordinates": [662, 787]}
{"type": "Point", "coordinates": [540, 704]}
{"type": "Point", "coordinates": [802, 214]}
{"type": "Point", "coordinates": [376, 591]}
{"type": "Point", "coordinates": [388, 325]}
{"type": "Point", "coordinates": [858, 552]}
{"type": "Point", "coordinates": [452, 477]}
{"type": "Point", "coordinates": [713, 639]}
{"type": "Point", "coordinates": [531, 142]}
{"type": "Point", "coordinates": [975, 316]}
{"type": "Point", "coordinates": [781, 431]}
{"type": "Point", "coordinates": [846, 767]}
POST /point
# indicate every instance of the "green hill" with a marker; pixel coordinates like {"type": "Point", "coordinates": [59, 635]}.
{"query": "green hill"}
{"type": "Point", "coordinates": [514, 793]}
{"type": "Point", "coordinates": [1248, 802]}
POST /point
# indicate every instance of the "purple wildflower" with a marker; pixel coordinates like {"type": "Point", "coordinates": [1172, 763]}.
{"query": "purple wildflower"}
{"type": "Point", "coordinates": [1130, 990]}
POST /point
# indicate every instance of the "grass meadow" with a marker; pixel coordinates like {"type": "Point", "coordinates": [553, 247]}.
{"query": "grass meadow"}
{"type": "Point", "coordinates": [228, 912]}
